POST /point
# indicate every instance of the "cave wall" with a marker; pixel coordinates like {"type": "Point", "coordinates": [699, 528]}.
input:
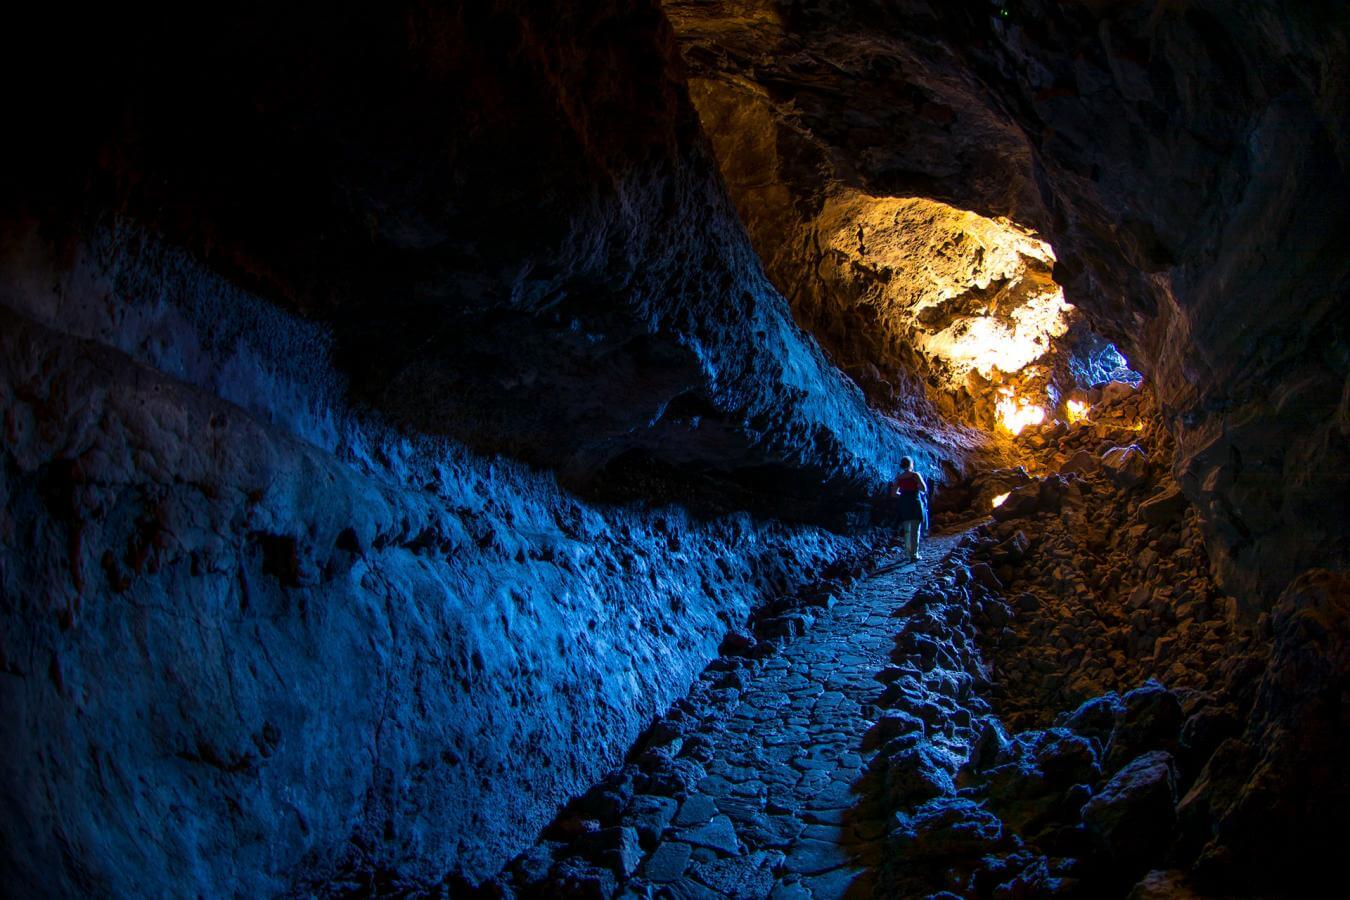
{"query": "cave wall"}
{"type": "Point", "coordinates": [323, 329]}
{"type": "Point", "coordinates": [1186, 160]}
{"type": "Point", "coordinates": [234, 661]}
{"type": "Point", "coordinates": [433, 182]}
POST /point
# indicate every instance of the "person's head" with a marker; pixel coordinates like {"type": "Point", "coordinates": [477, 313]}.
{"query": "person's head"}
{"type": "Point", "coordinates": [906, 463]}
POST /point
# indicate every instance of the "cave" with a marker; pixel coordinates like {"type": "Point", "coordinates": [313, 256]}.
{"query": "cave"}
{"type": "Point", "coordinates": [451, 449]}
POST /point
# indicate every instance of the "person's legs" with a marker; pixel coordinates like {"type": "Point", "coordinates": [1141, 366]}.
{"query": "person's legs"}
{"type": "Point", "coordinates": [911, 538]}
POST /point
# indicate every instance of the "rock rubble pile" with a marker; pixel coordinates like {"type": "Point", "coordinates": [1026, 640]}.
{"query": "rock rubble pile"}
{"type": "Point", "coordinates": [1099, 572]}
{"type": "Point", "coordinates": [1077, 711]}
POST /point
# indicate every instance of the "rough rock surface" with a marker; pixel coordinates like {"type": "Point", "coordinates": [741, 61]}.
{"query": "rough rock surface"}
{"type": "Point", "coordinates": [512, 237]}
{"type": "Point", "coordinates": [397, 417]}
{"type": "Point", "coordinates": [288, 298]}
{"type": "Point", "coordinates": [234, 661]}
{"type": "Point", "coordinates": [1187, 162]}
{"type": "Point", "coordinates": [1206, 768]}
{"type": "Point", "coordinates": [1121, 591]}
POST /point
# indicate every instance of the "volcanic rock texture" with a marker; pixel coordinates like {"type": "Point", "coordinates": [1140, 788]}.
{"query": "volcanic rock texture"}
{"type": "Point", "coordinates": [290, 299]}
{"type": "Point", "coordinates": [397, 417]}
{"type": "Point", "coordinates": [1187, 162]}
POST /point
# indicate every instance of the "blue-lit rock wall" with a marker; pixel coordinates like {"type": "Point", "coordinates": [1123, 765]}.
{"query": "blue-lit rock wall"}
{"type": "Point", "coordinates": [233, 659]}
{"type": "Point", "coordinates": [396, 419]}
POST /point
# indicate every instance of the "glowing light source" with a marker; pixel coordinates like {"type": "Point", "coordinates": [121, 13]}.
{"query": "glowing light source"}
{"type": "Point", "coordinates": [1016, 413]}
{"type": "Point", "coordinates": [1004, 343]}
{"type": "Point", "coordinates": [1075, 410]}
{"type": "Point", "coordinates": [998, 501]}
{"type": "Point", "coordinates": [973, 294]}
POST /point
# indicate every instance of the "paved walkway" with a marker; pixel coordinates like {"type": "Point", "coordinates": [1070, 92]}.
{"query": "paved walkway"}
{"type": "Point", "coordinates": [775, 815]}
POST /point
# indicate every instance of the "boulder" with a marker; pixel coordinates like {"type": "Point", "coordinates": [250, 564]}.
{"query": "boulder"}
{"type": "Point", "coordinates": [916, 774]}
{"type": "Point", "coordinates": [1052, 493]}
{"type": "Point", "coordinates": [1116, 391]}
{"type": "Point", "coordinates": [1096, 718]}
{"type": "Point", "coordinates": [946, 828]}
{"type": "Point", "coordinates": [1151, 721]}
{"type": "Point", "coordinates": [616, 849]}
{"type": "Point", "coordinates": [991, 742]}
{"type": "Point", "coordinates": [1164, 507]}
{"type": "Point", "coordinates": [1024, 501]}
{"type": "Point", "coordinates": [893, 723]}
{"type": "Point", "coordinates": [1066, 758]}
{"type": "Point", "coordinates": [1204, 731]}
{"type": "Point", "coordinates": [649, 815]}
{"type": "Point", "coordinates": [1133, 815]}
{"type": "Point", "coordinates": [1084, 462]}
{"type": "Point", "coordinates": [985, 576]}
{"type": "Point", "coordinates": [1126, 466]}
{"type": "Point", "coordinates": [1012, 550]}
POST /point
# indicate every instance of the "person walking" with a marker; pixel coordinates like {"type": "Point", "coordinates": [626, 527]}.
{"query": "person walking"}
{"type": "Point", "coordinates": [911, 492]}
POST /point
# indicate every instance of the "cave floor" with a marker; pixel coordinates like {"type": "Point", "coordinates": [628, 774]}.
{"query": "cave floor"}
{"type": "Point", "coordinates": [778, 812]}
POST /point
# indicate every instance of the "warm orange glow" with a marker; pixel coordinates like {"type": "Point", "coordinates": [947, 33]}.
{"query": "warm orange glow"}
{"type": "Point", "coordinates": [1075, 410]}
{"type": "Point", "coordinates": [975, 293]}
{"type": "Point", "coordinates": [1016, 413]}
{"type": "Point", "coordinates": [998, 501]}
{"type": "Point", "coordinates": [1010, 343]}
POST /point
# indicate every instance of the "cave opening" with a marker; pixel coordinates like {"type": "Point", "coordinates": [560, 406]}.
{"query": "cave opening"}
{"type": "Point", "coordinates": [472, 449]}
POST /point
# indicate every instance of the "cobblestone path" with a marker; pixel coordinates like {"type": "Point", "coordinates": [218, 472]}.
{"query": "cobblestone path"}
{"type": "Point", "coordinates": [774, 814]}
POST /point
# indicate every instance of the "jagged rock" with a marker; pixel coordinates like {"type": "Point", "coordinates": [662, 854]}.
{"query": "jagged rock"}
{"type": "Point", "coordinates": [917, 773]}
{"type": "Point", "coordinates": [1127, 466]}
{"type": "Point", "coordinates": [1163, 508]}
{"type": "Point", "coordinates": [719, 834]}
{"type": "Point", "coordinates": [649, 815]}
{"type": "Point", "coordinates": [1204, 730]}
{"type": "Point", "coordinates": [576, 878]}
{"type": "Point", "coordinates": [1036, 787]}
{"type": "Point", "coordinates": [1214, 791]}
{"type": "Point", "coordinates": [1010, 551]}
{"type": "Point", "coordinates": [986, 577]}
{"type": "Point", "coordinates": [738, 643]}
{"type": "Point", "coordinates": [1151, 721]}
{"type": "Point", "coordinates": [1268, 806]}
{"type": "Point", "coordinates": [1024, 501]}
{"type": "Point", "coordinates": [945, 827]}
{"type": "Point", "coordinates": [894, 723]}
{"type": "Point", "coordinates": [995, 613]}
{"type": "Point", "coordinates": [786, 626]}
{"type": "Point", "coordinates": [1065, 758]}
{"type": "Point", "coordinates": [1084, 462]}
{"type": "Point", "coordinates": [1095, 718]}
{"type": "Point", "coordinates": [1133, 814]}
{"type": "Point", "coordinates": [667, 862]}
{"type": "Point", "coordinates": [617, 849]}
{"type": "Point", "coordinates": [990, 746]}
{"type": "Point", "coordinates": [1053, 491]}
{"type": "Point", "coordinates": [1115, 392]}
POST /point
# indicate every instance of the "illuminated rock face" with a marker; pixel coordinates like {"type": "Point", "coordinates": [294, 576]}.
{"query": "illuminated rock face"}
{"type": "Point", "coordinates": [969, 293]}
{"type": "Point", "coordinates": [328, 333]}
{"type": "Point", "coordinates": [1187, 164]}
{"type": "Point", "coordinates": [304, 316]}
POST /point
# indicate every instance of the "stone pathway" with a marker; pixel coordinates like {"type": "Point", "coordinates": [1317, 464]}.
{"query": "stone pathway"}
{"type": "Point", "coordinates": [773, 814]}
